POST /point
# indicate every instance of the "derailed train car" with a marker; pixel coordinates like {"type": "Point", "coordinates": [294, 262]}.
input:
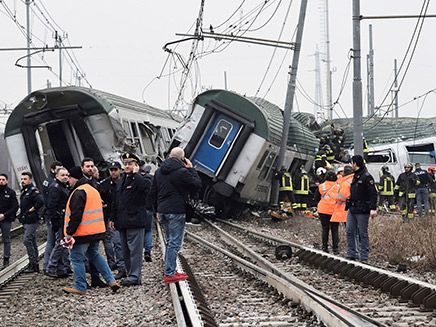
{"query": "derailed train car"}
{"type": "Point", "coordinates": [70, 123]}
{"type": "Point", "coordinates": [234, 142]}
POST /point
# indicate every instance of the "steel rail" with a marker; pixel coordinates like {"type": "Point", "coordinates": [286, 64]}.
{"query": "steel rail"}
{"type": "Point", "coordinates": [405, 288]}
{"type": "Point", "coordinates": [184, 304]}
{"type": "Point", "coordinates": [6, 275]}
{"type": "Point", "coordinates": [326, 309]}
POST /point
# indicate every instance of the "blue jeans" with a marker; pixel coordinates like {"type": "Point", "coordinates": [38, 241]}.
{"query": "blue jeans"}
{"type": "Point", "coordinates": [5, 227]}
{"type": "Point", "coordinates": [77, 257]}
{"type": "Point", "coordinates": [357, 222]}
{"type": "Point", "coordinates": [148, 238]}
{"type": "Point", "coordinates": [50, 245]}
{"type": "Point", "coordinates": [174, 226]}
{"type": "Point", "coordinates": [29, 241]}
{"type": "Point", "coordinates": [422, 196]}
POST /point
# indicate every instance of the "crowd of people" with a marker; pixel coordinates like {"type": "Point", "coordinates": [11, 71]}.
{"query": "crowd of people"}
{"type": "Point", "coordinates": [80, 211]}
{"type": "Point", "coordinates": [350, 195]}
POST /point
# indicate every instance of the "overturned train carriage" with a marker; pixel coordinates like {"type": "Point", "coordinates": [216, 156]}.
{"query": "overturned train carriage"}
{"type": "Point", "coordinates": [70, 123]}
{"type": "Point", "coordinates": [234, 142]}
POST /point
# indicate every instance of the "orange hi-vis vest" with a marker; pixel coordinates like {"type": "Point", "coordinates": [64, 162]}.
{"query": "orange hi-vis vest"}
{"type": "Point", "coordinates": [344, 184]}
{"type": "Point", "coordinates": [328, 191]}
{"type": "Point", "coordinates": [92, 218]}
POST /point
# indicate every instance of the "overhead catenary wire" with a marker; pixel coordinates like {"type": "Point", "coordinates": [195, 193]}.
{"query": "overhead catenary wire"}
{"type": "Point", "coordinates": [413, 41]}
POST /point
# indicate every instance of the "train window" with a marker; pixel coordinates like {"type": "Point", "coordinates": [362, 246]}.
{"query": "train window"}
{"type": "Point", "coordinates": [146, 139]}
{"type": "Point", "coordinates": [266, 167]}
{"type": "Point", "coordinates": [423, 153]}
{"type": "Point", "coordinates": [262, 160]}
{"type": "Point", "coordinates": [384, 156]}
{"type": "Point", "coordinates": [220, 134]}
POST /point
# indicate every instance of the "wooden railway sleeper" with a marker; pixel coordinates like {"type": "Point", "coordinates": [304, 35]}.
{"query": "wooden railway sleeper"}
{"type": "Point", "coordinates": [369, 279]}
{"type": "Point", "coordinates": [396, 289]}
{"type": "Point", "coordinates": [386, 285]}
{"type": "Point", "coordinates": [361, 275]}
{"type": "Point", "coordinates": [380, 279]}
{"type": "Point", "coordinates": [352, 273]}
{"type": "Point", "coordinates": [339, 266]}
{"type": "Point", "coordinates": [430, 301]}
{"type": "Point", "coordinates": [419, 296]}
{"type": "Point", "coordinates": [407, 292]}
{"type": "Point", "coordinates": [344, 271]}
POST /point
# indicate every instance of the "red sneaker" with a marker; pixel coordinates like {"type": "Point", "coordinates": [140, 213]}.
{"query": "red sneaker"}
{"type": "Point", "coordinates": [175, 278]}
{"type": "Point", "coordinates": [180, 274]}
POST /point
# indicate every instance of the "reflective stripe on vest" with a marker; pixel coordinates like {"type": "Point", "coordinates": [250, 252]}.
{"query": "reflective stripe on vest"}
{"type": "Point", "coordinates": [286, 184]}
{"type": "Point", "coordinates": [339, 214]}
{"type": "Point", "coordinates": [388, 186]}
{"type": "Point", "coordinates": [92, 217]}
{"type": "Point", "coordinates": [328, 192]}
{"type": "Point", "coordinates": [304, 187]}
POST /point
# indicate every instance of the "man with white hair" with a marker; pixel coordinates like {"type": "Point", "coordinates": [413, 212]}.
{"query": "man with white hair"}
{"type": "Point", "coordinates": [173, 182]}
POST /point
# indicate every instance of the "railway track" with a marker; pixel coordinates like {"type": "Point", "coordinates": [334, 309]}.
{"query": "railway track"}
{"type": "Point", "coordinates": [355, 291]}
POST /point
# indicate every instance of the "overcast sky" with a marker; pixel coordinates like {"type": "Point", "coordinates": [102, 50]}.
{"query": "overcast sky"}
{"type": "Point", "coordinates": [122, 50]}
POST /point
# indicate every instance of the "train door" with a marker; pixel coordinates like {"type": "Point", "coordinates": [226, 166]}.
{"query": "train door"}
{"type": "Point", "coordinates": [216, 142]}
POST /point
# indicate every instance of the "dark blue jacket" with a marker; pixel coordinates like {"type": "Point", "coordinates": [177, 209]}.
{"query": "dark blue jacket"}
{"type": "Point", "coordinates": [363, 194]}
{"type": "Point", "coordinates": [128, 209]}
{"type": "Point", "coordinates": [172, 183]}
{"type": "Point", "coordinates": [30, 197]}
{"type": "Point", "coordinates": [56, 201]}
{"type": "Point", "coordinates": [8, 202]}
{"type": "Point", "coordinates": [107, 192]}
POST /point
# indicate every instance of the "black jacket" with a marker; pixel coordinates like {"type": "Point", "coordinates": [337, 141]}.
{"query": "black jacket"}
{"type": "Point", "coordinates": [8, 202]}
{"type": "Point", "coordinates": [423, 176]}
{"type": "Point", "coordinates": [128, 210]}
{"type": "Point", "coordinates": [363, 194]}
{"type": "Point", "coordinates": [77, 206]}
{"type": "Point", "coordinates": [172, 183]}
{"type": "Point", "coordinates": [30, 197]}
{"type": "Point", "coordinates": [107, 191]}
{"type": "Point", "coordinates": [56, 202]}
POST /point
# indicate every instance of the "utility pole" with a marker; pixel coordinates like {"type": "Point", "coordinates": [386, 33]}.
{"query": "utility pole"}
{"type": "Point", "coordinates": [289, 101]}
{"type": "Point", "coordinates": [395, 113]}
{"type": "Point", "coordinates": [59, 43]}
{"type": "Point", "coordinates": [370, 75]}
{"type": "Point", "coordinates": [327, 61]}
{"type": "Point", "coordinates": [357, 82]}
{"type": "Point", "coordinates": [29, 63]}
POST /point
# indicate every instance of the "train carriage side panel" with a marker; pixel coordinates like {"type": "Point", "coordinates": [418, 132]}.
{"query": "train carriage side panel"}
{"type": "Point", "coordinates": [18, 155]}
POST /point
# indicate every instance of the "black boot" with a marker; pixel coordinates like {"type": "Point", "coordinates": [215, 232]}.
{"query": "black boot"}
{"type": "Point", "coordinates": [5, 263]}
{"type": "Point", "coordinates": [31, 268]}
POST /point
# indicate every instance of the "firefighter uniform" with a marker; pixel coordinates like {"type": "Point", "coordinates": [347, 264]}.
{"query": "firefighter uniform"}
{"type": "Point", "coordinates": [405, 187]}
{"type": "Point", "coordinates": [301, 189]}
{"type": "Point", "coordinates": [386, 190]}
{"type": "Point", "coordinates": [286, 191]}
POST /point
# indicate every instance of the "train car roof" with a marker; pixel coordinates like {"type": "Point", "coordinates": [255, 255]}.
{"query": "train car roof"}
{"type": "Point", "coordinates": [378, 130]}
{"type": "Point", "coordinates": [91, 101]}
{"type": "Point", "coordinates": [268, 119]}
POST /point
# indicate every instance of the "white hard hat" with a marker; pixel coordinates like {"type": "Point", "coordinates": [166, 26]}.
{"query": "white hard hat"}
{"type": "Point", "coordinates": [320, 171]}
{"type": "Point", "coordinates": [341, 168]}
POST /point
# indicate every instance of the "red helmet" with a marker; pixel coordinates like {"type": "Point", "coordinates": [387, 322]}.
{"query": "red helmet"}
{"type": "Point", "coordinates": [431, 169]}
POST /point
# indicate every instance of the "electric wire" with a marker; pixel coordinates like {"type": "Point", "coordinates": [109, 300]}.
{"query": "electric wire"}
{"type": "Point", "coordinates": [413, 41]}
{"type": "Point", "coordinates": [275, 49]}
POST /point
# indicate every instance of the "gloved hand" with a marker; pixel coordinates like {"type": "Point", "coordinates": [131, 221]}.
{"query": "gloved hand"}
{"type": "Point", "coordinates": [55, 225]}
